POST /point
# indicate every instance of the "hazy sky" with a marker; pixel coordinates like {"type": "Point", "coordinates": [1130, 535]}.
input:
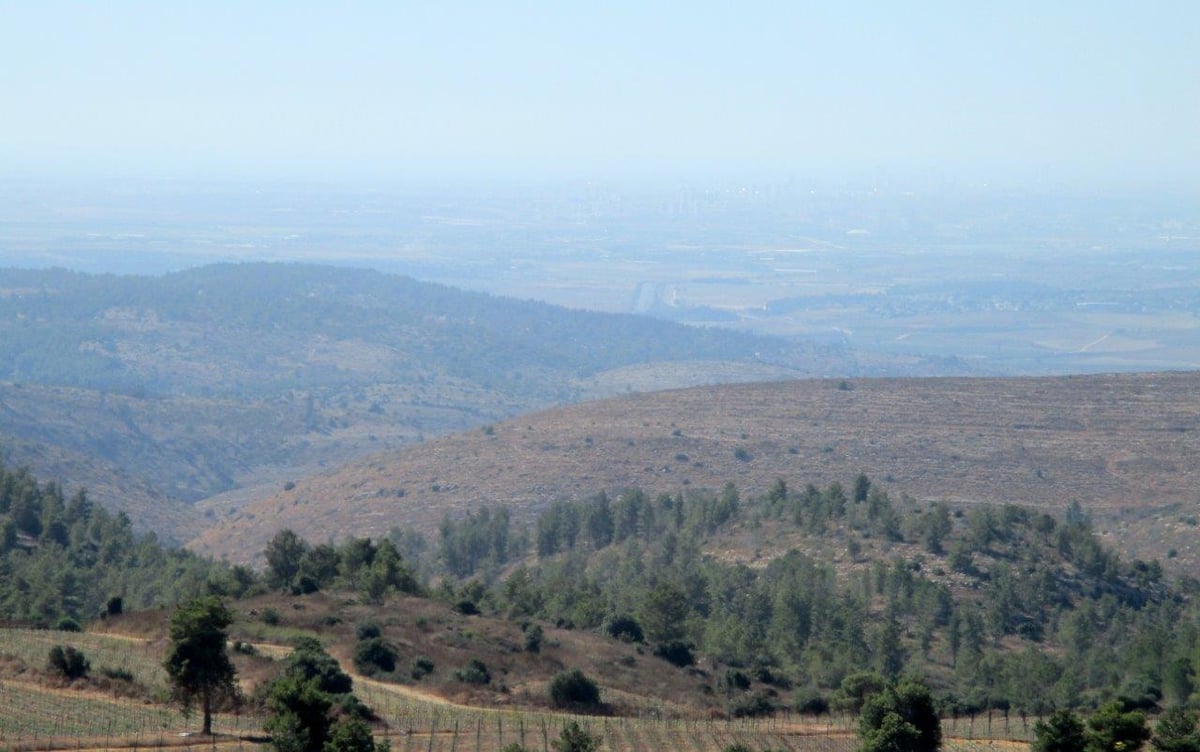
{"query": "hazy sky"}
{"type": "Point", "coordinates": [1106, 90]}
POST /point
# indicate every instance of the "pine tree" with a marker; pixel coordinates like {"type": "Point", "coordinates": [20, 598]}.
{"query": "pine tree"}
{"type": "Point", "coordinates": [197, 662]}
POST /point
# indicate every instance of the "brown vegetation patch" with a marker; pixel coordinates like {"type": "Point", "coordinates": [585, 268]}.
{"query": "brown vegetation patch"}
{"type": "Point", "coordinates": [631, 682]}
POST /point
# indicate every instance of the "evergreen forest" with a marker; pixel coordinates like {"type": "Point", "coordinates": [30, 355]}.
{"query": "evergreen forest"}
{"type": "Point", "coordinates": [1001, 608]}
{"type": "Point", "coordinates": [823, 592]}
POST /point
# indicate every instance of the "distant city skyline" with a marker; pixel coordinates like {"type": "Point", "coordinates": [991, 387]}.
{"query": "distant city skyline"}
{"type": "Point", "coordinates": [1071, 92]}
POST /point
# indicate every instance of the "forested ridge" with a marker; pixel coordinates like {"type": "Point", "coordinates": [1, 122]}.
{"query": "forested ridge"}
{"type": "Point", "coordinates": [67, 560]}
{"type": "Point", "coordinates": [809, 590]}
{"type": "Point", "coordinates": [796, 597]}
{"type": "Point", "coordinates": [59, 327]}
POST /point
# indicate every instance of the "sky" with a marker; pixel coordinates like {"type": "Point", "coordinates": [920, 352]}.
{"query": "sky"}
{"type": "Point", "coordinates": [1087, 91]}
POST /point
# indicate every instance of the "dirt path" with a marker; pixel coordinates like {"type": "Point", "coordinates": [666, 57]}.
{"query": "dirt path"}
{"type": "Point", "coordinates": [415, 694]}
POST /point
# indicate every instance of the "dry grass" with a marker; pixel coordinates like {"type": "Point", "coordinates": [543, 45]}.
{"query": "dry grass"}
{"type": "Point", "coordinates": [665, 708]}
{"type": "Point", "coordinates": [632, 683]}
{"type": "Point", "coordinates": [1113, 443]}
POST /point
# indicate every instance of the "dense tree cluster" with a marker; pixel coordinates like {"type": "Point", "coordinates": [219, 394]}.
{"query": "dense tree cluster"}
{"type": "Point", "coordinates": [636, 568]}
{"type": "Point", "coordinates": [1015, 609]}
{"type": "Point", "coordinates": [66, 557]}
{"type": "Point", "coordinates": [58, 330]}
{"type": "Point", "coordinates": [372, 568]}
{"type": "Point", "coordinates": [482, 540]}
{"type": "Point", "coordinates": [1111, 728]}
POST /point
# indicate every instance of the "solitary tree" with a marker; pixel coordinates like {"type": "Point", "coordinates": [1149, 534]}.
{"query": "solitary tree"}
{"type": "Point", "coordinates": [1061, 732]}
{"type": "Point", "coordinates": [197, 664]}
{"type": "Point", "coordinates": [901, 718]}
{"type": "Point", "coordinates": [575, 739]}
{"type": "Point", "coordinates": [1113, 729]}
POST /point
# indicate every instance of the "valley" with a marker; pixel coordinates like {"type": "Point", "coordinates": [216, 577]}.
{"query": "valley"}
{"type": "Point", "coordinates": [724, 532]}
{"type": "Point", "coordinates": [156, 393]}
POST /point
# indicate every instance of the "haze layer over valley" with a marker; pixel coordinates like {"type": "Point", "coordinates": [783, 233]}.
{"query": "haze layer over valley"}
{"type": "Point", "coordinates": [157, 392]}
{"type": "Point", "coordinates": [159, 389]}
{"type": "Point", "coordinates": [985, 279]}
{"type": "Point", "coordinates": [234, 260]}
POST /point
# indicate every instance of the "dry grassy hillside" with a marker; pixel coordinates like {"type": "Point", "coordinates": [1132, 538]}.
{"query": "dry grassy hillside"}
{"type": "Point", "coordinates": [1118, 444]}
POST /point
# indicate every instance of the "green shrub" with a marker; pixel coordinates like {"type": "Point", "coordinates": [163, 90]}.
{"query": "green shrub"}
{"type": "Point", "coordinates": [735, 681]}
{"type": "Point", "coordinates": [533, 638]}
{"type": "Point", "coordinates": [367, 630]}
{"type": "Point", "coordinates": [810, 702]}
{"type": "Point", "coordinates": [475, 672]}
{"type": "Point", "coordinates": [675, 652]}
{"type": "Point", "coordinates": [765, 675]}
{"type": "Point", "coordinates": [68, 662]}
{"type": "Point", "coordinates": [310, 661]}
{"type": "Point", "coordinates": [373, 656]}
{"type": "Point", "coordinates": [751, 706]}
{"type": "Point", "coordinates": [117, 674]}
{"type": "Point", "coordinates": [353, 735]}
{"type": "Point", "coordinates": [421, 667]}
{"type": "Point", "coordinates": [67, 624]}
{"type": "Point", "coordinates": [466, 607]}
{"type": "Point", "coordinates": [575, 739]}
{"type": "Point", "coordinates": [573, 688]}
{"type": "Point", "coordinates": [624, 628]}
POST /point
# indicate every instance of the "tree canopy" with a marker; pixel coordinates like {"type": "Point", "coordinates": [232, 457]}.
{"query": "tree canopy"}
{"type": "Point", "coordinates": [311, 706]}
{"type": "Point", "coordinates": [900, 718]}
{"type": "Point", "coordinates": [1176, 731]}
{"type": "Point", "coordinates": [197, 662]}
{"type": "Point", "coordinates": [1112, 728]}
{"type": "Point", "coordinates": [1061, 732]}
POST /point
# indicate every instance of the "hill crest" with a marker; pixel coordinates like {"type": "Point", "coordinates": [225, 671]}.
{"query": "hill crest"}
{"type": "Point", "coordinates": [1113, 443]}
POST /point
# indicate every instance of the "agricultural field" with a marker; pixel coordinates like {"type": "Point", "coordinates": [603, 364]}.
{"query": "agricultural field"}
{"type": "Point", "coordinates": [40, 715]}
{"type": "Point", "coordinates": [40, 712]}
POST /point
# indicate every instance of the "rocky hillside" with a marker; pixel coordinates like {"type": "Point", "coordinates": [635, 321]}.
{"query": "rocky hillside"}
{"type": "Point", "coordinates": [1122, 446]}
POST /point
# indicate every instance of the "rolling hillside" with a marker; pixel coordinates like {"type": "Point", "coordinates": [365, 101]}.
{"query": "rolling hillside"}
{"type": "Point", "coordinates": [1122, 446]}
{"type": "Point", "coordinates": [156, 392]}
